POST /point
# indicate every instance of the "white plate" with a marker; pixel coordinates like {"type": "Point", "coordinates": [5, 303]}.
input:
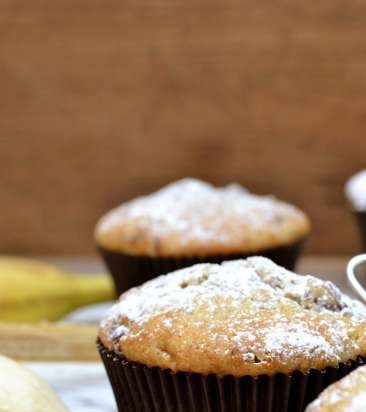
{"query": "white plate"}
{"type": "Point", "coordinates": [82, 387]}
{"type": "Point", "coordinates": [92, 314]}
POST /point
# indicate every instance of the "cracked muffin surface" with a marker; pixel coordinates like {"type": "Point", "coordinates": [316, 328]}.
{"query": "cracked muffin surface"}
{"type": "Point", "coordinates": [243, 317]}
{"type": "Point", "coordinates": [347, 395]}
{"type": "Point", "coordinates": [192, 217]}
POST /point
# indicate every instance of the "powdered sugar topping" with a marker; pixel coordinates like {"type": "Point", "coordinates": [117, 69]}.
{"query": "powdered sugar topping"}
{"type": "Point", "coordinates": [358, 403]}
{"type": "Point", "coordinates": [356, 191]}
{"type": "Point", "coordinates": [261, 309]}
{"type": "Point", "coordinates": [202, 213]}
{"type": "Point", "coordinates": [347, 395]}
{"type": "Point", "coordinates": [296, 337]}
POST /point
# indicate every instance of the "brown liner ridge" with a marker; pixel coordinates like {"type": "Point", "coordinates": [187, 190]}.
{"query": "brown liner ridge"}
{"type": "Point", "coordinates": [138, 388]}
{"type": "Point", "coordinates": [129, 271]}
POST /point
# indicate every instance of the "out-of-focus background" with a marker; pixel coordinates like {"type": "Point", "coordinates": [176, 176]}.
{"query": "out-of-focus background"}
{"type": "Point", "coordinates": [101, 101]}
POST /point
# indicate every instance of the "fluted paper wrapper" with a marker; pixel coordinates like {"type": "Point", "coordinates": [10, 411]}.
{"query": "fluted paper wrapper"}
{"type": "Point", "coordinates": [129, 271]}
{"type": "Point", "coordinates": [138, 388]}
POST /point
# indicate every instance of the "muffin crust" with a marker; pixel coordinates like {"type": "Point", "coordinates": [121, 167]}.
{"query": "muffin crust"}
{"type": "Point", "coordinates": [347, 395]}
{"type": "Point", "coordinates": [244, 317]}
{"type": "Point", "coordinates": [191, 217]}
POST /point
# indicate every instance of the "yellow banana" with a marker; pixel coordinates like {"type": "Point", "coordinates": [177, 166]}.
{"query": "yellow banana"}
{"type": "Point", "coordinates": [32, 291]}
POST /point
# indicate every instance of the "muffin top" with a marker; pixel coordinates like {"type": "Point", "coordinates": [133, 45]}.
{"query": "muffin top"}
{"type": "Point", "coordinates": [356, 191]}
{"type": "Point", "coordinates": [346, 395]}
{"type": "Point", "coordinates": [243, 317]}
{"type": "Point", "coordinates": [191, 217]}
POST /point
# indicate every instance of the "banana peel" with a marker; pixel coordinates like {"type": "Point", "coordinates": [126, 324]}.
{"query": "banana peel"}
{"type": "Point", "coordinates": [32, 291]}
{"type": "Point", "coordinates": [49, 342]}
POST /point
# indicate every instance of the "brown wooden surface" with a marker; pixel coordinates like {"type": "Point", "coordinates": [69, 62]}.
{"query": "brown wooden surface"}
{"type": "Point", "coordinates": [59, 342]}
{"type": "Point", "coordinates": [103, 100]}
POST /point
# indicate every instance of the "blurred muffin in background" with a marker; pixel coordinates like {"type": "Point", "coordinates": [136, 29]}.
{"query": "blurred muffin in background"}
{"type": "Point", "coordinates": [356, 194]}
{"type": "Point", "coordinates": [191, 221]}
{"type": "Point", "coordinates": [347, 395]}
{"type": "Point", "coordinates": [242, 336]}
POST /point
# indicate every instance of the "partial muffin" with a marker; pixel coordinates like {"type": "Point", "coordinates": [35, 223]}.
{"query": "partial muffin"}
{"type": "Point", "coordinates": [191, 221]}
{"type": "Point", "coordinates": [347, 395]}
{"type": "Point", "coordinates": [356, 194]}
{"type": "Point", "coordinates": [22, 391]}
{"type": "Point", "coordinates": [247, 335]}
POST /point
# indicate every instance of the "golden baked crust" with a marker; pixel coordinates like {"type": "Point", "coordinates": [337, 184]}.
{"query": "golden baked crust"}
{"type": "Point", "coordinates": [243, 317]}
{"type": "Point", "coordinates": [346, 395]}
{"type": "Point", "coordinates": [190, 218]}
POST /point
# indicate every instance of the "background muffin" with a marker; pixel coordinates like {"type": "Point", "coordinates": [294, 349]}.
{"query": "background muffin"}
{"type": "Point", "coordinates": [190, 221]}
{"type": "Point", "coordinates": [245, 334]}
{"type": "Point", "coordinates": [356, 194]}
{"type": "Point", "coordinates": [347, 395]}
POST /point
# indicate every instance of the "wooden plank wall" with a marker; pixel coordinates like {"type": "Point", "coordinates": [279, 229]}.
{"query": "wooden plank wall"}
{"type": "Point", "coordinates": [103, 100]}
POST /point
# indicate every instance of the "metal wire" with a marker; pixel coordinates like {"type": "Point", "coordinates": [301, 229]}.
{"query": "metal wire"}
{"type": "Point", "coordinates": [352, 267]}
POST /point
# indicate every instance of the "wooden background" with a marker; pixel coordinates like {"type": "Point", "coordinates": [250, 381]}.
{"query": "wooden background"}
{"type": "Point", "coordinates": [103, 100]}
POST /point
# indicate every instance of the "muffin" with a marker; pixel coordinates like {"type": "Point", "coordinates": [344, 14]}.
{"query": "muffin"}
{"type": "Point", "coordinates": [244, 335]}
{"type": "Point", "coordinates": [347, 395]}
{"type": "Point", "coordinates": [191, 221]}
{"type": "Point", "coordinates": [356, 195]}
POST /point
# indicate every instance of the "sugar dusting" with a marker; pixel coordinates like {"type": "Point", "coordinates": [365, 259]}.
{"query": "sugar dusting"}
{"type": "Point", "coordinates": [347, 395]}
{"type": "Point", "coordinates": [358, 403]}
{"type": "Point", "coordinates": [356, 191]}
{"type": "Point", "coordinates": [201, 211]}
{"type": "Point", "coordinates": [296, 337]}
{"type": "Point", "coordinates": [297, 309]}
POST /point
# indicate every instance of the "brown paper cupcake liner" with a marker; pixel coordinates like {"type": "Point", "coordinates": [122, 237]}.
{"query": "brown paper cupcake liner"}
{"type": "Point", "coordinates": [361, 220]}
{"type": "Point", "coordinates": [129, 271]}
{"type": "Point", "coordinates": [138, 388]}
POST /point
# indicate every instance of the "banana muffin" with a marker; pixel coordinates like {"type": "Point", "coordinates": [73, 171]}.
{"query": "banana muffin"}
{"type": "Point", "coordinates": [347, 395]}
{"type": "Point", "coordinates": [356, 194]}
{"type": "Point", "coordinates": [247, 335]}
{"type": "Point", "coordinates": [191, 221]}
